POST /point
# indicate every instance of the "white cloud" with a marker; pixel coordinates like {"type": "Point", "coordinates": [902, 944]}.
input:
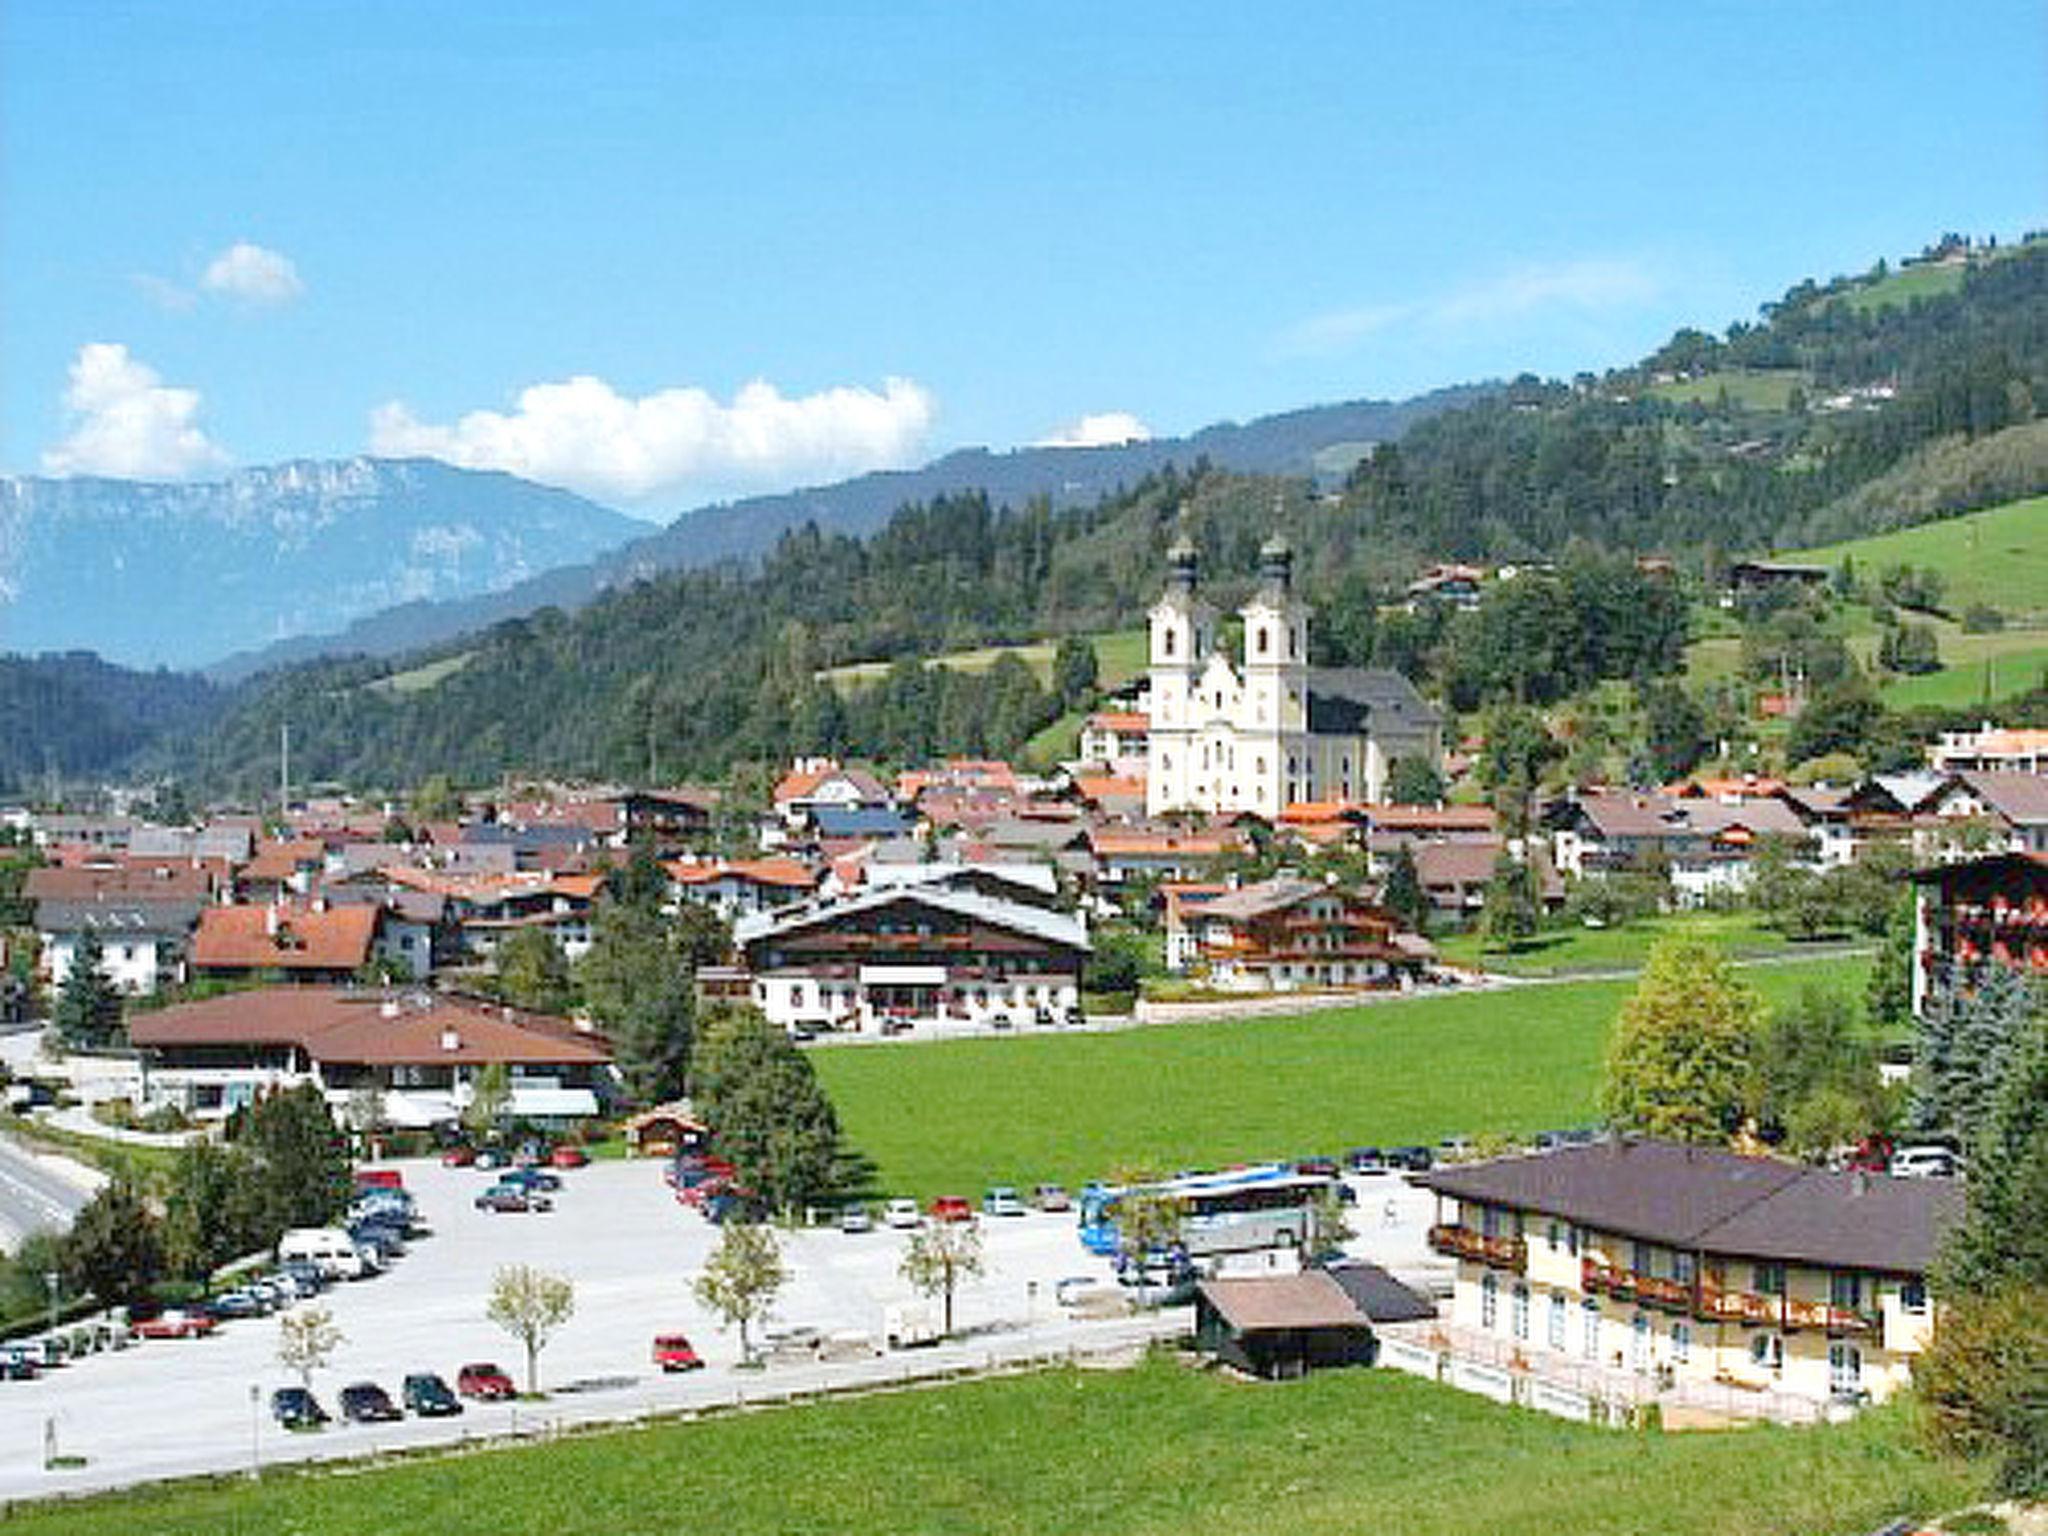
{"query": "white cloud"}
{"type": "Point", "coordinates": [583, 434]}
{"type": "Point", "coordinates": [1586, 286]}
{"type": "Point", "coordinates": [1104, 429]}
{"type": "Point", "coordinates": [128, 424]}
{"type": "Point", "coordinates": [253, 274]}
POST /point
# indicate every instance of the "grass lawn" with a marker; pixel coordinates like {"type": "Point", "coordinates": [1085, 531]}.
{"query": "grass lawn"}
{"type": "Point", "coordinates": [952, 1117]}
{"type": "Point", "coordinates": [1567, 951]}
{"type": "Point", "coordinates": [1904, 286]}
{"type": "Point", "coordinates": [420, 679]}
{"type": "Point", "coordinates": [1756, 389]}
{"type": "Point", "coordinates": [1998, 556]}
{"type": "Point", "coordinates": [1155, 1451]}
{"type": "Point", "coordinates": [1120, 655]}
{"type": "Point", "coordinates": [1976, 668]}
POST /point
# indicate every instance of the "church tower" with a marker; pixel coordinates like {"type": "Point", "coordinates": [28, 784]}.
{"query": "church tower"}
{"type": "Point", "coordinates": [1183, 635]}
{"type": "Point", "coordinates": [1273, 768]}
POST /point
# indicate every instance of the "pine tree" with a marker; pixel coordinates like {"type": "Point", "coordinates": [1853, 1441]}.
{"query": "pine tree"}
{"type": "Point", "coordinates": [1403, 894]}
{"type": "Point", "coordinates": [768, 1114]}
{"type": "Point", "coordinates": [1511, 910]}
{"type": "Point", "coordinates": [88, 1011]}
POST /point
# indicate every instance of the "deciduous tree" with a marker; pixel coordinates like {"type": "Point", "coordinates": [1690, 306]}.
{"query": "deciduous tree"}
{"type": "Point", "coordinates": [1678, 1060]}
{"type": "Point", "coordinates": [742, 1278]}
{"type": "Point", "coordinates": [307, 1338]}
{"type": "Point", "coordinates": [939, 1257]}
{"type": "Point", "coordinates": [530, 1304]}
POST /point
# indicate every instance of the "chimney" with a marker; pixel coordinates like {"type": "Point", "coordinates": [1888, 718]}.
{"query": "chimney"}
{"type": "Point", "coordinates": [450, 1039]}
{"type": "Point", "coordinates": [388, 1008]}
{"type": "Point", "coordinates": [271, 918]}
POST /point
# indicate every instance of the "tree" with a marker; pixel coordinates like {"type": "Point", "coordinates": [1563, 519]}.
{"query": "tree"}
{"type": "Point", "coordinates": [490, 1095]}
{"type": "Point", "coordinates": [299, 1159]}
{"type": "Point", "coordinates": [1329, 1226]}
{"type": "Point", "coordinates": [307, 1338]}
{"type": "Point", "coordinates": [209, 1213]}
{"type": "Point", "coordinates": [533, 972]}
{"type": "Point", "coordinates": [1678, 1060]}
{"type": "Point", "coordinates": [758, 1094]}
{"type": "Point", "coordinates": [1815, 1077]}
{"type": "Point", "coordinates": [1403, 894]}
{"type": "Point", "coordinates": [1979, 1384]}
{"type": "Point", "coordinates": [1414, 781]}
{"type": "Point", "coordinates": [1888, 1003]}
{"type": "Point", "coordinates": [2004, 1232]}
{"type": "Point", "coordinates": [742, 1278]}
{"type": "Point", "coordinates": [1074, 672]}
{"type": "Point", "coordinates": [642, 994]}
{"type": "Point", "coordinates": [1149, 1220]}
{"type": "Point", "coordinates": [1674, 730]}
{"type": "Point", "coordinates": [88, 1011]}
{"type": "Point", "coordinates": [1511, 910]}
{"type": "Point", "coordinates": [1972, 1024]}
{"type": "Point", "coordinates": [530, 1304]}
{"type": "Point", "coordinates": [436, 800]}
{"type": "Point", "coordinates": [1121, 958]}
{"type": "Point", "coordinates": [115, 1246]}
{"type": "Point", "coordinates": [939, 1257]}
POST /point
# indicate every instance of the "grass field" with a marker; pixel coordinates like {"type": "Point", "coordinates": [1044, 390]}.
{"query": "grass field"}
{"type": "Point", "coordinates": [1978, 668]}
{"type": "Point", "coordinates": [1902, 287]}
{"type": "Point", "coordinates": [1567, 951]}
{"type": "Point", "coordinates": [1756, 389]}
{"type": "Point", "coordinates": [953, 1117]}
{"type": "Point", "coordinates": [1155, 1451]}
{"type": "Point", "coordinates": [1998, 556]}
{"type": "Point", "coordinates": [421, 678]}
{"type": "Point", "coordinates": [1120, 655]}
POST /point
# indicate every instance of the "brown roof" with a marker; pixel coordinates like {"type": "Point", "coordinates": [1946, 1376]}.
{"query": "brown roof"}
{"type": "Point", "coordinates": [370, 1028]}
{"type": "Point", "coordinates": [1273, 1303]}
{"type": "Point", "coordinates": [771, 871]}
{"type": "Point", "coordinates": [1718, 1202]}
{"type": "Point", "coordinates": [280, 861]}
{"type": "Point", "coordinates": [2021, 798]}
{"type": "Point", "coordinates": [285, 938]}
{"type": "Point", "coordinates": [164, 880]}
{"type": "Point", "coordinates": [1431, 818]}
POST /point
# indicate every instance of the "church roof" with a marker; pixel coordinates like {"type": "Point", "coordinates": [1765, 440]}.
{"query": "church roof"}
{"type": "Point", "coordinates": [1348, 701]}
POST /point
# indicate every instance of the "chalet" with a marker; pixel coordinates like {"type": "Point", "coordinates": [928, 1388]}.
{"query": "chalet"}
{"type": "Point", "coordinates": [1454, 874]}
{"type": "Point", "coordinates": [900, 954]}
{"type": "Point", "coordinates": [143, 914]}
{"type": "Point", "coordinates": [1991, 750]}
{"type": "Point", "coordinates": [1124, 852]}
{"type": "Point", "coordinates": [423, 1052]}
{"type": "Point", "coordinates": [2012, 808]}
{"type": "Point", "coordinates": [738, 887]}
{"type": "Point", "coordinates": [1285, 934]}
{"type": "Point", "coordinates": [1183, 903]}
{"type": "Point", "coordinates": [1112, 737]}
{"type": "Point", "coordinates": [820, 783]}
{"type": "Point", "coordinates": [1704, 844]}
{"type": "Point", "coordinates": [1990, 911]}
{"type": "Point", "coordinates": [483, 908]}
{"type": "Point", "coordinates": [313, 943]}
{"type": "Point", "coordinates": [1764, 575]}
{"type": "Point", "coordinates": [1685, 1263]}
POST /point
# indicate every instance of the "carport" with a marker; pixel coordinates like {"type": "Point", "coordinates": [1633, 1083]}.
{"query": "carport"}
{"type": "Point", "coordinates": [1281, 1325]}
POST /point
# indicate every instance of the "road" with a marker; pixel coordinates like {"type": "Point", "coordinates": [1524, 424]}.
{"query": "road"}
{"type": "Point", "coordinates": [177, 1407]}
{"type": "Point", "coordinates": [33, 1196]}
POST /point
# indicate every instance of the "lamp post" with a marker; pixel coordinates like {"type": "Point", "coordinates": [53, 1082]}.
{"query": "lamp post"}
{"type": "Point", "coordinates": [53, 1282]}
{"type": "Point", "coordinates": [255, 1430]}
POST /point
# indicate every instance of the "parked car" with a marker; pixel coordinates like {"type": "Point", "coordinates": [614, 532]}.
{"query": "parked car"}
{"type": "Point", "coordinates": [181, 1323]}
{"type": "Point", "coordinates": [305, 1279]}
{"type": "Point", "coordinates": [489, 1157]}
{"type": "Point", "coordinates": [673, 1352]}
{"type": "Point", "coordinates": [483, 1380]}
{"type": "Point", "coordinates": [568, 1157]}
{"type": "Point", "coordinates": [1414, 1159]}
{"type": "Point", "coordinates": [364, 1402]}
{"type": "Point", "coordinates": [1316, 1167]}
{"type": "Point", "coordinates": [1925, 1162]}
{"type": "Point", "coordinates": [952, 1208]}
{"type": "Point", "coordinates": [17, 1365]}
{"type": "Point", "coordinates": [1051, 1197]}
{"type": "Point", "coordinates": [902, 1213]}
{"type": "Point", "coordinates": [296, 1408]}
{"type": "Point", "coordinates": [529, 1177]}
{"type": "Point", "coordinates": [855, 1218]}
{"type": "Point", "coordinates": [458, 1157]}
{"type": "Point", "coordinates": [1002, 1201]}
{"type": "Point", "coordinates": [243, 1301]}
{"type": "Point", "coordinates": [512, 1197]}
{"type": "Point", "coordinates": [427, 1395]}
{"type": "Point", "coordinates": [1366, 1160]}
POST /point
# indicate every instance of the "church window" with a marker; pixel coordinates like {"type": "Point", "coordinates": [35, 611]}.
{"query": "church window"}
{"type": "Point", "coordinates": [1166, 643]}
{"type": "Point", "coordinates": [1262, 639]}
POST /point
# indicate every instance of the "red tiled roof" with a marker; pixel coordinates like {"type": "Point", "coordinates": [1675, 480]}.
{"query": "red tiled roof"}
{"type": "Point", "coordinates": [1461, 818]}
{"type": "Point", "coordinates": [780, 872]}
{"type": "Point", "coordinates": [284, 938]}
{"type": "Point", "coordinates": [1110, 841]}
{"type": "Point", "coordinates": [163, 879]}
{"type": "Point", "coordinates": [282, 860]}
{"type": "Point", "coordinates": [1125, 722]}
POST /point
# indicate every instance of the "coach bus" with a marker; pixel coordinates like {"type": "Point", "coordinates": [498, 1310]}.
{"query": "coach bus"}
{"type": "Point", "coordinates": [1267, 1205]}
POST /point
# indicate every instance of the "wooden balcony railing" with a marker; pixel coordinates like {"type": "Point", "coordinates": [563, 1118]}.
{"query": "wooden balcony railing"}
{"type": "Point", "coordinates": [1723, 1306]}
{"type": "Point", "coordinates": [1462, 1242]}
{"type": "Point", "coordinates": [1652, 1290]}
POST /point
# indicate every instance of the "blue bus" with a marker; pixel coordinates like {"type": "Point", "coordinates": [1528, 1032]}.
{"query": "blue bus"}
{"type": "Point", "coordinates": [1266, 1205]}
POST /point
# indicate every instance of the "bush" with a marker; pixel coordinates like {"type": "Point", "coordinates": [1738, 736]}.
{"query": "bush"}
{"type": "Point", "coordinates": [1982, 619]}
{"type": "Point", "coordinates": [1980, 1384]}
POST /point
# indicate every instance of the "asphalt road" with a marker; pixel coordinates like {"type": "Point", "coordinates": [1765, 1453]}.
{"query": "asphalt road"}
{"type": "Point", "coordinates": [33, 1197]}
{"type": "Point", "coordinates": [176, 1407]}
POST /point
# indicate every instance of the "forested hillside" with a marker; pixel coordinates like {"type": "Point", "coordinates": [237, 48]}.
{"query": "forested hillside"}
{"type": "Point", "coordinates": [74, 714]}
{"type": "Point", "coordinates": [1763, 438]}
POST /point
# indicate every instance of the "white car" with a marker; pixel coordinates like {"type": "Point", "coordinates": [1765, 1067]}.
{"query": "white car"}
{"type": "Point", "coordinates": [1923, 1163]}
{"type": "Point", "coordinates": [903, 1213]}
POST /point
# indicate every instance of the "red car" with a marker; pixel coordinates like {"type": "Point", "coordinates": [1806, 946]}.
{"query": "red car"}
{"type": "Point", "coordinates": [569, 1157]}
{"type": "Point", "coordinates": [672, 1352]}
{"type": "Point", "coordinates": [176, 1325]}
{"type": "Point", "coordinates": [458, 1157]}
{"type": "Point", "coordinates": [484, 1380]}
{"type": "Point", "coordinates": [952, 1208]}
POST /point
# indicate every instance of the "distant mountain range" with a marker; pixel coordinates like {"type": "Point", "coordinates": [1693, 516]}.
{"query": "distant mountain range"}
{"type": "Point", "coordinates": [180, 575]}
{"type": "Point", "coordinates": [1324, 441]}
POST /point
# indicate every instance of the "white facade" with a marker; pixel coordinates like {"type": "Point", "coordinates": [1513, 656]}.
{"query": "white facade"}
{"type": "Point", "coordinates": [133, 960]}
{"type": "Point", "coordinates": [1229, 736]}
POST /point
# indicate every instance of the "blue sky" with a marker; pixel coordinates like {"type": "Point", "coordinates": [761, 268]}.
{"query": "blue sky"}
{"type": "Point", "coordinates": [668, 253]}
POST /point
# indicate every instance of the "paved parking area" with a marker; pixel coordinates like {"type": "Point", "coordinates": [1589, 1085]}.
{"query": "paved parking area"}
{"type": "Point", "coordinates": [173, 1407]}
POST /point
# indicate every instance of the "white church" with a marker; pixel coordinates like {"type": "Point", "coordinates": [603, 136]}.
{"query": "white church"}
{"type": "Point", "coordinates": [1270, 731]}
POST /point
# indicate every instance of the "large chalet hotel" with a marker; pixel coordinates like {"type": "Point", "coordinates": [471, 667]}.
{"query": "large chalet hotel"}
{"type": "Point", "coordinates": [1696, 1264]}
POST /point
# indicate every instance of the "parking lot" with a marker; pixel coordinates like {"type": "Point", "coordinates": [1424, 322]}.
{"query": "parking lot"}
{"type": "Point", "coordinates": [173, 1407]}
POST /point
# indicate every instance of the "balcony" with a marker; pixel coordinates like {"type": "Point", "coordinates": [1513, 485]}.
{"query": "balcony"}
{"type": "Point", "coordinates": [1720, 1306]}
{"type": "Point", "coordinates": [1651, 1290]}
{"type": "Point", "coordinates": [1821, 1314]}
{"type": "Point", "coordinates": [1464, 1243]}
